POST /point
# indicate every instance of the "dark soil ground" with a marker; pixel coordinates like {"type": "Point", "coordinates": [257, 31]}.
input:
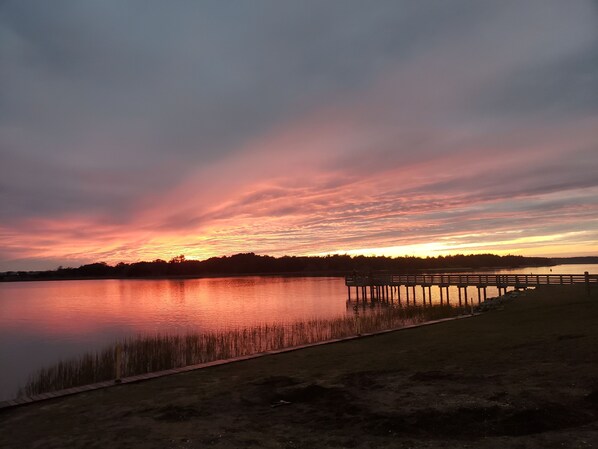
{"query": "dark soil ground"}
{"type": "Point", "coordinates": [522, 375]}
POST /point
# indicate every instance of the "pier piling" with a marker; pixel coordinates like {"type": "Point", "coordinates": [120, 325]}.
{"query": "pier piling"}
{"type": "Point", "coordinates": [382, 285]}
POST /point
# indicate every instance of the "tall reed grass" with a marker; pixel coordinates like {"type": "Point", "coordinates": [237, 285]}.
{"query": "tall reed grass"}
{"type": "Point", "coordinates": [150, 353]}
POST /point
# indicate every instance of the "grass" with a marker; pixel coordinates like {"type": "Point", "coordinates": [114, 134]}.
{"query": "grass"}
{"type": "Point", "coordinates": [150, 353]}
{"type": "Point", "coordinates": [522, 375]}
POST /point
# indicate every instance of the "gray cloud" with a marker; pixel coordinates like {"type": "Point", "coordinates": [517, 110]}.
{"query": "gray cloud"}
{"type": "Point", "coordinates": [104, 105]}
{"type": "Point", "coordinates": [555, 90]}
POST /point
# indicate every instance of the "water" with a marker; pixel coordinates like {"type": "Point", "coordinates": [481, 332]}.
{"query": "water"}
{"type": "Point", "coordinates": [42, 322]}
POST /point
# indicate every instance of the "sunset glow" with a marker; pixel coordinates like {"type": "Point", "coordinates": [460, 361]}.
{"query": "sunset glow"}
{"type": "Point", "coordinates": [384, 129]}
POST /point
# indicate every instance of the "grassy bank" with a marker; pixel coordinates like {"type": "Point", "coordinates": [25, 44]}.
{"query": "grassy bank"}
{"type": "Point", "coordinates": [150, 353]}
{"type": "Point", "coordinates": [523, 375]}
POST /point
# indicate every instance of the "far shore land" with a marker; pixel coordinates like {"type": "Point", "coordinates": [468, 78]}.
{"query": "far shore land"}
{"type": "Point", "coordinates": [523, 374]}
{"type": "Point", "coordinates": [290, 274]}
{"type": "Point", "coordinates": [250, 264]}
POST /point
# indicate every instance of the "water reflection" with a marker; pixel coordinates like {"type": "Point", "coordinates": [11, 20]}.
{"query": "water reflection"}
{"type": "Point", "coordinates": [434, 295]}
{"type": "Point", "coordinates": [41, 322]}
{"type": "Point", "coordinates": [80, 307]}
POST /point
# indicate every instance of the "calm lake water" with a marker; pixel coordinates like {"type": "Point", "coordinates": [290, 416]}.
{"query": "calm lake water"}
{"type": "Point", "coordinates": [43, 322]}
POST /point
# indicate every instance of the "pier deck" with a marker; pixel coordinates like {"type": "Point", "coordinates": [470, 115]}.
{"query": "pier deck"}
{"type": "Point", "coordinates": [386, 285]}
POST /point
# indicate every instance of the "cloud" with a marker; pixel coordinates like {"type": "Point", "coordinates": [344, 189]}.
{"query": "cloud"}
{"type": "Point", "coordinates": [132, 130]}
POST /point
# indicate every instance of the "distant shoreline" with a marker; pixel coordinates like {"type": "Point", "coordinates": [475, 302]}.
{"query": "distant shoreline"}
{"type": "Point", "coordinates": [297, 274]}
{"type": "Point", "coordinates": [251, 264]}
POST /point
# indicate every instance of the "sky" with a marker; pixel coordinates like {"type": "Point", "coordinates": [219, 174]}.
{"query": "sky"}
{"type": "Point", "coordinates": [137, 130]}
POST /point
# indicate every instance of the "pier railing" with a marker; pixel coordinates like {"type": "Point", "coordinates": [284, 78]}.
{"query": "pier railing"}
{"type": "Point", "coordinates": [477, 280]}
{"type": "Point", "coordinates": [386, 285]}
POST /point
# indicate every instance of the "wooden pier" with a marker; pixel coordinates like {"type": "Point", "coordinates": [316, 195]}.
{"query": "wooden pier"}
{"type": "Point", "coordinates": [387, 287]}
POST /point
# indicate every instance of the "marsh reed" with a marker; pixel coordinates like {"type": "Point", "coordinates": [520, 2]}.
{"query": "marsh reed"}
{"type": "Point", "coordinates": [149, 353]}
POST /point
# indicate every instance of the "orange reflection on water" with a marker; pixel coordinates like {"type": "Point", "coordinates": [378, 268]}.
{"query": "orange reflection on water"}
{"type": "Point", "coordinates": [142, 306]}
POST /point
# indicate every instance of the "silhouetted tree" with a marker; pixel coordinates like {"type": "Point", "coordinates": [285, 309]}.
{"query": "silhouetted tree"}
{"type": "Point", "coordinates": [251, 263]}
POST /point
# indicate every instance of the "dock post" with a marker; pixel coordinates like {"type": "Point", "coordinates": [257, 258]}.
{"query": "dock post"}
{"type": "Point", "coordinates": [349, 292]}
{"type": "Point", "coordinates": [587, 279]}
{"type": "Point", "coordinates": [441, 296]}
{"type": "Point", "coordinates": [407, 291]}
{"type": "Point", "coordinates": [459, 290]}
{"type": "Point", "coordinates": [424, 294]}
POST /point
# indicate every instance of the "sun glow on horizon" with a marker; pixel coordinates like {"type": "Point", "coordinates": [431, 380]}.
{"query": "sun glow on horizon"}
{"type": "Point", "coordinates": [528, 246]}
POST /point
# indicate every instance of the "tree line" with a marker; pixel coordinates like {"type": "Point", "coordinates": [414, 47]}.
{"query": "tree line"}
{"type": "Point", "coordinates": [250, 263]}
